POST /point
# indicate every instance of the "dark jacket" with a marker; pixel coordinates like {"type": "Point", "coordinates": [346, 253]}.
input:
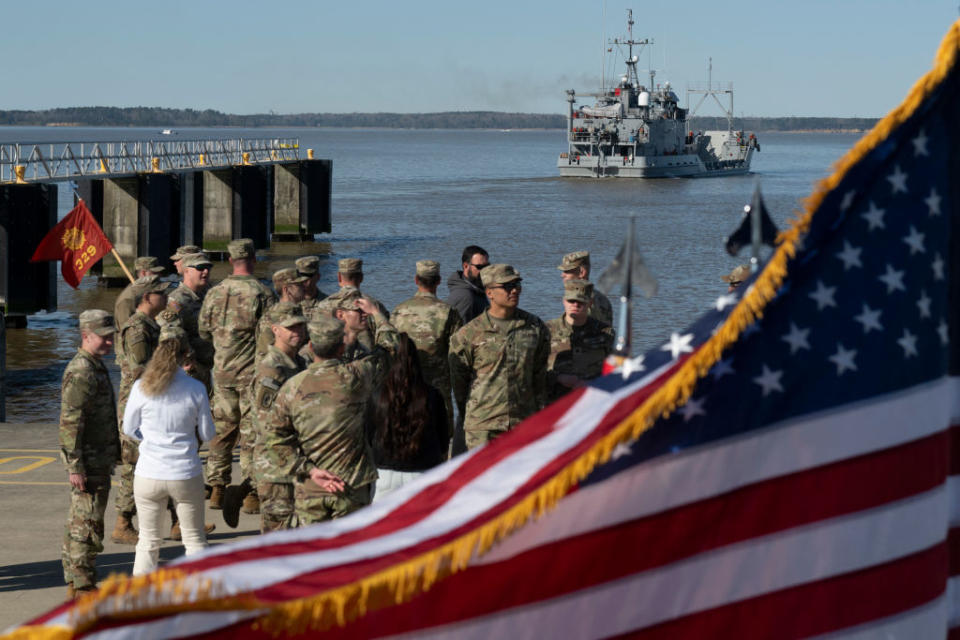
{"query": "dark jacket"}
{"type": "Point", "coordinates": [467, 298]}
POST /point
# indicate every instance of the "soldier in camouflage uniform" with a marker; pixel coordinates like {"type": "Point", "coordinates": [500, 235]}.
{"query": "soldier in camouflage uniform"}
{"type": "Point", "coordinates": [228, 319]}
{"type": "Point", "coordinates": [186, 301]}
{"type": "Point", "coordinates": [89, 447]}
{"type": "Point", "coordinates": [315, 432]}
{"type": "Point", "coordinates": [138, 337]}
{"type": "Point", "coordinates": [498, 361]}
{"type": "Point", "coordinates": [289, 287]}
{"type": "Point", "coordinates": [280, 363]}
{"type": "Point", "coordinates": [182, 252]}
{"type": "Point", "coordinates": [430, 323]}
{"type": "Point", "coordinates": [578, 343]}
{"type": "Point", "coordinates": [349, 277]}
{"type": "Point", "coordinates": [576, 266]}
{"type": "Point", "coordinates": [309, 268]}
{"type": "Point", "coordinates": [148, 271]}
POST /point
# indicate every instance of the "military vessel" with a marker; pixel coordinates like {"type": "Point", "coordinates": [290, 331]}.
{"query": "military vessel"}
{"type": "Point", "coordinates": [640, 131]}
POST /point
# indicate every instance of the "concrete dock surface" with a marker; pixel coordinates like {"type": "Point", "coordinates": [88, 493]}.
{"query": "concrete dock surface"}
{"type": "Point", "coordinates": [36, 496]}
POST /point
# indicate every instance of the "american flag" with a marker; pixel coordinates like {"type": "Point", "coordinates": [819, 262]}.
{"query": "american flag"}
{"type": "Point", "coordinates": [782, 468]}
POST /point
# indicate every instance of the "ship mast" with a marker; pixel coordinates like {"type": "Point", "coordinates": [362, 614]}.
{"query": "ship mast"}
{"type": "Point", "coordinates": [632, 59]}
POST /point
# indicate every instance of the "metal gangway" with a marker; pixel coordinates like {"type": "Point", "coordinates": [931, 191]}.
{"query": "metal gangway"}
{"type": "Point", "coordinates": [56, 161]}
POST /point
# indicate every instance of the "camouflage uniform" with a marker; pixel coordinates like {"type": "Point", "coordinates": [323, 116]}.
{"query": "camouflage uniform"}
{"type": "Point", "coordinates": [89, 445]}
{"type": "Point", "coordinates": [126, 303]}
{"type": "Point", "coordinates": [579, 351]}
{"type": "Point", "coordinates": [601, 309]}
{"type": "Point", "coordinates": [228, 319]}
{"type": "Point", "coordinates": [430, 323]}
{"type": "Point", "coordinates": [311, 306]}
{"type": "Point", "coordinates": [309, 266]}
{"type": "Point", "coordinates": [264, 332]}
{"type": "Point", "coordinates": [329, 305]}
{"type": "Point", "coordinates": [498, 370]}
{"type": "Point", "coordinates": [318, 421]}
{"type": "Point", "coordinates": [275, 491]}
{"type": "Point", "coordinates": [139, 337]}
{"type": "Point", "coordinates": [187, 304]}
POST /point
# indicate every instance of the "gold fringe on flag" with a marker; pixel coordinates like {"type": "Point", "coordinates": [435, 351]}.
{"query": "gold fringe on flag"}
{"type": "Point", "coordinates": [170, 591]}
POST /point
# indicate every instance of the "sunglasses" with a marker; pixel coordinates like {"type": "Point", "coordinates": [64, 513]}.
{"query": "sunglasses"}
{"type": "Point", "coordinates": [510, 286]}
{"type": "Point", "coordinates": [480, 267]}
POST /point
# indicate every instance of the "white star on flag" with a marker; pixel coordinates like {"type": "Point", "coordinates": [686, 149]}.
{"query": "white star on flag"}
{"type": "Point", "coordinates": [943, 332]}
{"type": "Point", "coordinates": [898, 180]}
{"type": "Point", "coordinates": [722, 368]}
{"type": "Point", "coordinates": [824, 296]}
{"type": "Point", "coordinates": [920, 145]}
{"type": "Point", "coordinates": [915, 241]}
{"type": "Point", "coordinates": [874, 216]}
{"type": "Point", "coordinates": [843, 358]}
{"type": "Point", "coordinates": [933, 203]}
{"type": "Point", "coordinates": [725, 301]}
{"type": "Point", "coordinates": [850, 256]}
{"type": "Point", "coordinates": [893, 279]}
{"type": "Point", "coordinates": [769, 380]}
{"type": "Point", "coordinates": [631, 365]}
{"type": "Point", "coordinates": [678, 344]}
{"type": "Point", "coordinates": [937, 265]}
{"type": "Point", "coordinates": [909, 343]}
{"type": "Point", "coordinates": [847, 200]}
{"type": "Point", "coordinates": [923, 304]}
{"type": "Point", "coordinates": [797, 338]}
{"type": "Point", "coordinates": [870, 319]}
{"type": "Point", "coordinates": [692, 409]}
{"type": "Point", "coordinates": [622, 449]}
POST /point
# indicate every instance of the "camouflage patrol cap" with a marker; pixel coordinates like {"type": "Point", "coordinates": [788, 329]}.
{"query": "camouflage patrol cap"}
{"type": "Point", "coordinates": [350, 265]}
{"type": "Point", "coordinates": [287, 276]}
{"type": "Point", "coordinates": [157, 286]}
{"type": "Point", "coordinates": [349, 301]}
{"type": "Point", "coordinates": [98, 321]}
{"type": "Point", "coordinates": [308, 265]}
{"type": "Point", "coordinates": [242, 248]}
{"type": "Point", "coordinates": [172, 332]}
{"type": "Point", "coordinates": [581, 290]}
{"type": "Point", "coordinates": [574, 260]}
{"type": "Point", "coordinates": [147, 263]}
{"type": "Point", "coordinates": [499, 274]}
{"type": "Point", "coordinates": [169, 316]}
{"type": "Point", "coordinates": [286, 314]}
{"type": "Point", "coordinates": [325, 332]}
{"type": "Point", "coordinates": [738, 275]}
{"type": "Point", "coordinates": [198, 260]}
{"type": "Point", "coordinates": [183, 251]}
{"type": "Point", "coordinates": [428, 268]}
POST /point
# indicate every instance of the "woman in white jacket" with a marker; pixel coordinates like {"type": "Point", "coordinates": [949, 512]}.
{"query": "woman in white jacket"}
{"type": "Point", "coordinates": [169, 413]}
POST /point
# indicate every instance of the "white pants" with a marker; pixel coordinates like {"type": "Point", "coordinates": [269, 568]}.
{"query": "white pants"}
{"type": "Point", "coordinates": [388, 480]}
{"type": "Point", "coordinates": [151, 498]}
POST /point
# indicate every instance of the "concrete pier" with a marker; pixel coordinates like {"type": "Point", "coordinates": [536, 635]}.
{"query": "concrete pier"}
{"type": "Point", "coordinates": [27, 212]}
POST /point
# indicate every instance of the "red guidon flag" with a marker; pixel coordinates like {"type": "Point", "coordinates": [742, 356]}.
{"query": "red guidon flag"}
{"type": "Point", "coordinates": [77, 241]}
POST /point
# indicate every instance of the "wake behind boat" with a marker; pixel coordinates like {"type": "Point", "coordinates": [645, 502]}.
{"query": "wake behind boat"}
{"type": "Point", "coordinates": [637, 131]}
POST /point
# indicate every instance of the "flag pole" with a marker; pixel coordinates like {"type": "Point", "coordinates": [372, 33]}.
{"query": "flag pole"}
{"type": "Point", "coordinates": [116, 255]}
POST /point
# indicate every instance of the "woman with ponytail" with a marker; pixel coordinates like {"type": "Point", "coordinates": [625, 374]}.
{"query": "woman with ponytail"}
{"type": "Point", "coordinates": [169, 413]}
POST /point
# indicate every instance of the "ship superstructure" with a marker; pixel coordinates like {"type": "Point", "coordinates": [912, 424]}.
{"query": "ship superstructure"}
{"type": "Point", "coordinates": [639, 130]}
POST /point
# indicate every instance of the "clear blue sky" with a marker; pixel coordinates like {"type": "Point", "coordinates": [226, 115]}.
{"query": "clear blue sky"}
{"type": "Point", "coordinates": [811, 58]}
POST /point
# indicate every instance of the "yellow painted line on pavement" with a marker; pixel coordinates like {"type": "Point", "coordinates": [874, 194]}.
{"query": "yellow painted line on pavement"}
{"type": "Point", "coordinates": [39, 461]}
{"type": "Point", "coordinates": [29, 451]}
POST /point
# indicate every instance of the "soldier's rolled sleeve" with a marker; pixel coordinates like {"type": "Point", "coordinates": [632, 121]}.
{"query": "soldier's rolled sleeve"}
{"type": "Point", "coordinates": [461, 365]}
{"type": "Point", "coordinates": [76, 392]}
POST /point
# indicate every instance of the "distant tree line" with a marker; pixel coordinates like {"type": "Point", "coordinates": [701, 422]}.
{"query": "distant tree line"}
{"type": "Point", "coordinates": [160, 117]}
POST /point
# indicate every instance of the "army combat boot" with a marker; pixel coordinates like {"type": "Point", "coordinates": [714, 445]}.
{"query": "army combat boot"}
{"type": "Point", "coordinates": [123, 531]}
{"type": "Point", "coordinates": [216, 497]}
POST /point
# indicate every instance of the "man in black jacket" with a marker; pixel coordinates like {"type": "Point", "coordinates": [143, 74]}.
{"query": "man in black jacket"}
{"type": "Point", "coordinates": [466, 291]}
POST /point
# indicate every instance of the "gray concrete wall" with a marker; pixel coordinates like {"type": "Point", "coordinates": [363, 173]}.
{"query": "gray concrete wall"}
{"type": "Point", "coordinates": [286, 195]}
{"type": "Point", "coordinates": [121, 223]}
{"type": "Point", "coordinates": [217, 210]}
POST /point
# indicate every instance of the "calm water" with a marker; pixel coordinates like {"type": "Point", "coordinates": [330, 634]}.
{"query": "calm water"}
{"type": "Point", "coordinates": [401, 196]}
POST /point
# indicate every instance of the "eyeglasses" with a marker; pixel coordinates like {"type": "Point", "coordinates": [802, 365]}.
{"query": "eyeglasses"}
{"type": "Point", "coordinates": [509, 286]}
